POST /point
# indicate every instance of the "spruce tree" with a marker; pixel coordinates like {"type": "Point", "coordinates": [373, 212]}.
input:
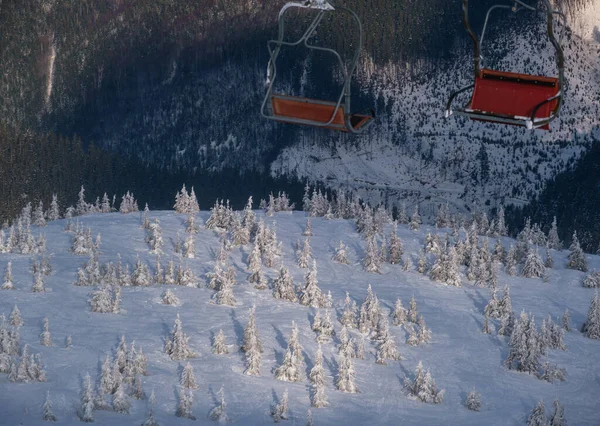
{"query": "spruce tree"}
{"type": "Point", "coordinates": [304, 254]}
{"type": "Point", "coordinates": [566, 320]}
{"type": "Point", "coordinates": [415, 219]}
{"type": "Point", "coordinates": [15, 317]}
{"type": "Point", "coordinates": [38, 285]}
{"type": "Point", "coordinates": [592, 280]}
{"type": "Point", "coordinates": [423, 387]}
{"type": "Point", "coordinates": [279, 409]}
{"type": "Point", "coordinates": [251, 333]}
{"type": "Point", "coordinates": [511, 261]}
{"type": "Point", "coordinates": [219, 414]}
{"type": "Point", "coordinates": [186, 401]}
{"type": "Point", "coordinates": [53, 212]}
{"type": "Point", "coordinates": [341, 255]}
{"type": "Point", "coordinates": [311, 294]}
{"type": "Point", "coordinates": [538, 416]}
{"type": "Point", "coordinates": [187, 379]}
{"type": "Point", "coordinates": [346, 375]}
{"type": "Point", "coordinates": [283, 286]}
{"type": "Point", "coordinates": [8, 278]}
{"type": "Point", "coordinates": [534, 267]}
{"type": "Point", "coordinates": [348, 318]}
{"type": "Point", "coordinates": [553, 240]}
{"type": "Point", "coordinates": [473, 401]}
{"type": "Point", "coordinates": [47, 414]}
{"type": "Point", "coordinates": [150, 420]}
{"type": "Point", "coordinates": [372, 260]}
{"type": "Point", "coordinates": [220, 344]}
{"type": "Point", "coordinates": [558, 417]}
{"type": "Point", "coordinates": [45, 337]}
{"type": "Point", "coordinates": [169, 298]}
{"type": "Point", "coordinates": [176, 346]}
{"type": "Point", "coordinates": [317, 373]}
{"type": "Point", "coordinates": [290, 369]}
{"type": "Point", "coordinates": [307, 228]}
{"type": "Point", "coordinates": [577, 259]}
{"type": "Point", "coordinates": [591, 327]}
{"type": "Point", "coordinates": [86, 407]}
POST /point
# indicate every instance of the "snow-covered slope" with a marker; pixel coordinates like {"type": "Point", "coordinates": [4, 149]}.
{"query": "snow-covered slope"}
{"type": "Point", "coordinates": [413, 152]}
{"type": "Point", "coordinates": [459, 356]}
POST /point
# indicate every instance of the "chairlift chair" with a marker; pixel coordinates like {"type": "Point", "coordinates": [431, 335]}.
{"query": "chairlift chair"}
{"type": "Point", "coordinates": [333, 115]}
{"type": "Point", "coordinates": [509, 98]}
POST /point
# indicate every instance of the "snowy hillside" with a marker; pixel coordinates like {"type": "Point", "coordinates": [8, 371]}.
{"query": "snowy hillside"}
{"type": "Point", "coordinates": [459, 355]}
{"type": "Point", "coordinates": [414, 152]}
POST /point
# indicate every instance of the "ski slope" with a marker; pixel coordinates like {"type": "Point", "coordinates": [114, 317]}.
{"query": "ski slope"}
{"type": "Point", "coordinates": [459, 356]}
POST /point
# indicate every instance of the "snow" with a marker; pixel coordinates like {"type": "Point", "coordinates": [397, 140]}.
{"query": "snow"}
{"type": "Point", "coordinates": [459, 356]}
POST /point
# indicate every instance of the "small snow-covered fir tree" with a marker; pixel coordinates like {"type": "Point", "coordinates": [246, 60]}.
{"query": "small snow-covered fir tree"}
{"type": "Point", "coordinates": [304, 254]}
{"type": "Point", "coordinates": [399, 315]}
{"type": "Point", "coordinates": [592, 280]}
{"type": "Point", "coordinates": [279, 409]}
{"type": "Point", "coordinates": [577, 259]}
{"type": "Point", "coordinates": [372, 260]}
{"type": "Point", "coordinates": [423, 387]}
{"type": "Point", "coordinates": [225, 294]}
{"type": "Point", "coordinates": [553, 240]}
{"type": "Point", "coordinates": [187, 379]}
{"type": "Point", "coordinates": [8, 278]}
{"type": "Point", "coordinates": [415, 219]}
{"type": "Point", "coordinates": [348, 318]}
{"type": "Point", "coordinates": [310, 294]}
{"type": "Point", "coordinates": [150, 420]}
{"type": "Point", "coordinates": [325, 331]}
{"type": "Point", "coordinates": [558, 416]}
{"type": "Point", "coordinates": [47, 413]}
{"type": "Point", "coordinates": [283, 286]}
{"type": "Point", "coordinates": [317, 373]}
{"type": "Point", "coordinates": [220, 344]}
{"type": "Point", "coordinates": [525, 346]}
{"type": "Point", "coordinates": [346, 374]}
{"type": "Point", "coordinates": [189, 248]}
{"type": "Point", "coordinates": [566, 320]}
{"type": "Point", "coordinates": [538, 416]}
{"type": "Point", "coordinates": [473, 401]}
{"type": "Point", "coordinates": [591, 327]}
{"type": "Point", "coordinates": [15, 317]}
{"type": "Point", "coordinates": [177, 346]}
{"type": "Point", "coordinates": [253, 355]}
{"type": "Point", "coordinates": [308, 228]}
{"type": "Point", "coordinates": [533, 267]}
{"type": "Point", "coordinates": [251, 332]}
{"type": "Point", "coordinates": [155, 239]}
{"type": "Point", "coordinates": [86, 407]}
{"type": "Point", "coordinates": [341, 255]}
{"type": "Point", "coordinates": [54, 212]}
{"type": "Point", "coordinates": [169, 298]}
{"type": "Point", "coordinates": [290, 369]}
{"type": "Point", "coordinates": [38, 285]}
{"type": "Point", "coordinates": [511, 261]}
{"type": "Point", "coordinates": [413, 313]}
{"type": "Point", "coordinates": [318, 399]}
{"type": "Point", "coordinates": [395, 248]}
{"type": "Point", "coordinates": [45, 337]}
{"type": "Point", "coordinates": [186, 401]}
{"type": "Point", "coordinates": [38, 215]}
{"type": "Point", "coordinates": [219, 413]}
{"type": "Point", "coordinates": [422, 264]}
{"type": "Point", "coordinates": [387, 348]}
{"type": "Point", "coordinates": [254, 264]}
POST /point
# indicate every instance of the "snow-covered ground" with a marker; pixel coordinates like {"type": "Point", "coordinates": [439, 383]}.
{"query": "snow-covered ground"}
{"type": "Point", "coordinates": [459, 356]}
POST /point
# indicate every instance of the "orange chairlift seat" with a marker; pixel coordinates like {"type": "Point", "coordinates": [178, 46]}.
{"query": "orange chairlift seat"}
{"type": "Point", "coordinates": [334, 115]}
{"type": "Point", "coordinates": [510, 98]}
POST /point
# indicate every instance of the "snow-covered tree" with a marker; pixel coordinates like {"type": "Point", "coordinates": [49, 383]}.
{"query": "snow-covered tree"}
{"type": "Point", "coordinates": [253, 355]}
{"type": "Point", "coordinates": [341, 255]}
{"type": "Point", "coordinates": [86, 407]}
{"type": "Point", "coordinates": [423, 386]}
{"type": "Point", "coordinates": [422, 263]}
{"type": "Point", "coordinates": [150, 420]}
{"type": "Point", "coordinates": [38, 215]}
{"type": "Point", "coordinates": [177, 346]}
{"type": "Point", "coordinates": [446, 269]}
{"type": "Point", "coordinates": [15, 317]}
{"type": "Point", "coordinates": [46, 337]}
{"type": "Point", "coordinates": [566, 320]}
{"type": "Point", "coordinates": [369, 312]}
{"type": "Point", "coordinates": [308, 228]}
{"type": "Point", "coordinates": [346, 374]}
{"type": "Point", "coordinates": [291, 367]}
{"type": "Point", "coordinates": [189, 248]}
{"type": "Point", "coordinates": [538, 416]}
{"type": "Point", "coordinates": [279, 409]}
{"type": "Point", "coordinates": [8, 278]}
{"type": "Point", "coordinates": [396, 250]}
{"type": "Point", "coordinates": [577, 259]}
{"type": "Point", "coordinates": [534, 266]}
{"type": "Point", "coordinates": [387, 348]}
{"type": "Point", "coordinates": [473, 401]}
{"type": "Point", "coordinates": [525, 348]}
{"type": "Point", "coordinates": [592, 280]}
{"type": "Point", "coordinates": [310, 294]}
{"type": "Point", "coordinates": [224, 295]}
{"type": "Point", "coordinates": [219, 346]}
{"type": "Point", "coordinates": [348, 318]}
{"type": "Point", "coordinates": [128, 204]}
{"type": "Point", "coordinates": [105, 207]}
{"type": "Point", "coordinates": [372, 260]}
{"type": "Point", "coordinates": [53, 213]}
{"type": "Point", "coordinates": [47, 413]}
{"type": "Point", "coordinates": [413, 313]}
{"type": "Point", "coordinates": [325, 330]}
{"type": "Point", "coordinates": [553, 240]}
{"type": "Point", "coordinates": [251, 333]}
{"type": "Point", "coordinates": [558, 417]}
{"type": "Point", "coordinates": [511, 261]}
{"type": "Point", "coordinates": [318, 399]}
{"type": "Point", "coordinates": [304, 254]}
{"type": "Point", "coordinates": [81, 207]}
{"type": "Point", "coordinates": [219, 413]}
{"type": "Point", "coordinates": [591, 327]}
{"type": "Point", "coordinates": [38, 285]}
{"type": "Point", "coordinates": [400, 314]}
{"type": "Point", "coordinates": [187, 379]}
{"type": "Point", "coordinates": [169, 298]}
{"type": "Point", "coordinates": [155, 239]}
{"type": "Point", "coordinates": [254, 264]}
{"type": "Point", "coordinates": [283, 286]}
{"type": "Point", "coordinates": [415, 219]}
{"type": "Point", "coordinates": [186, 401]}
{"type": "Point", "coordinates": [493, 308]}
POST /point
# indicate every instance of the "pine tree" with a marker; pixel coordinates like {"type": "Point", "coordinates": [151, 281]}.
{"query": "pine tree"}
{"type": "Point", "coordinates": [591, 327]}
{"type": "Point", "coordinates": [415, 219]}
{"type": "Point", "coordinates": [251, 337]}
{"type": "Point", "coordinates": [224, 296]}
{"type": "Point", "coordinates": [553, 240]}
{"type": "Point", "coordinates": [8, 278]}
{"type": "Point", "coordinates": [538, 416]}
{"type": "Point", "coordinates": [184, 408]}
{"type": "Point", "coordinates": [422, 263]}
{"type": "Point", "coordinates": [413, 313]}
{"type": "Point", "coordinates": [308, 228]}
{"type": "Point", "coordinates": [279, 409]}
{"type": "Point", "coordinates": [317, 373]}
{"type": "Point", "coordinates": [577, 259]}
{"type": "Point", "coordinates": [219, 414]}
{"type": "Point", "coordinates": [534, 267]}
{"type": "Point", "coordinates": [511, 261]}
{"type": "Point", "coordinates": [53, 213]}
{"type": "Point", "coordinates": [87, 400]}
{"type": "Point", "coordinates": [558, 417]}
{"type": "Point", "coordinates": [395, 250]}
{"type": "Point", "coordinates": [177, 344]}
{"type": "Point", "coordinates": [189, 248]}
{"type": "Point", "coordinates": [348, 318]}
{"type": "Point", "coordinates": [311, 294]}
{"type": "Point", "coordinates": [220, 344]}
{"type": "Point", "coordinates": [304, 255]}
{"type": "Point", "coordinates": [325, 331]}
{"type": "Point", "coordinates": [187, 379]}
{"type": "Point", "coordinates": [566, 320]}
{"type": "Point", "coordinates": [290, 369]}
{"type": "Point", "coordinates": [45, 337]}
{"type": "Point", "coordinates": [592, 280]}
{"type": "Point", "coordinates": [283, 286]}
{"type": "Point", "coordinates": [387, 346]}
{"type": "Point", "coordinates": [38, 285]}
{"type": "Point", "coordinates": [423, 387]}
{"type": "Point", "coordinates": [15, 317]}
{"type": "Point", "coordinates": [486, 325]}
{"type": "Point", "coordinates": [340, 255]}
{"type": "Point", "coordinates": [253, 356]}
{"type": "Point", "coordinates": [346, 374]}
{"type": "Point", "coordinates": [346, 344]}
{"type": "Point", "coordinates": [254, 264]}
{"type": "Point", "coordinates": [47, 414]}
{"type": "Point", "coordinates": [150, 420]}
{"type": "Point", "coordinates": [372, 260]}
{"type": "Point", "coordinates": [473, 401]}
{"type": "Point", "coordinates": [524, 346]}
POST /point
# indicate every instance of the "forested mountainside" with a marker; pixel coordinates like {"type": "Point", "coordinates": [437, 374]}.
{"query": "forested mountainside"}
{"type": "Point", "coordinates": [177, 85]}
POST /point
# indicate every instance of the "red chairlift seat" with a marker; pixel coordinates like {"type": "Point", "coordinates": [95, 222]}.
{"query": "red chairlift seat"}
{"type": "Point", "coordinates": [513, 96]}
{"type": "Point", "coordinates": [293, 109]}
